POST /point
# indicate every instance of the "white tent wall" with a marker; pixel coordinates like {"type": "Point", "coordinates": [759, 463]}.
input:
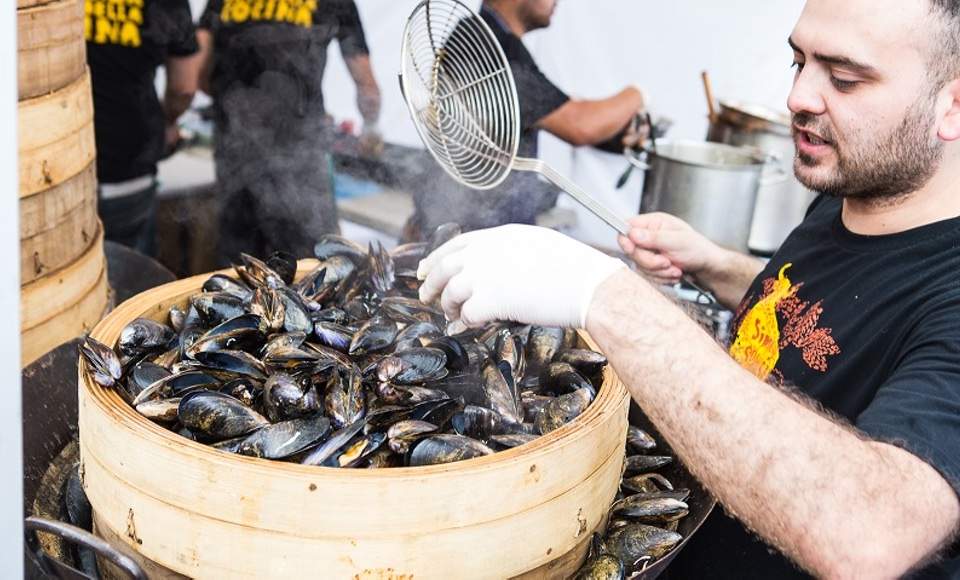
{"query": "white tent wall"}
{"type": "Point", "coordinates": [595, 48]}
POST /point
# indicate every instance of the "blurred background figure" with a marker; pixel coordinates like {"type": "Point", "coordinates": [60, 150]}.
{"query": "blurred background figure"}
{"type": "Point", "coordinates": [126, 43]}
{"type": "Point", "coordinates": [263, 65]}
{"type": "Point", "coordinates": [523, 196]}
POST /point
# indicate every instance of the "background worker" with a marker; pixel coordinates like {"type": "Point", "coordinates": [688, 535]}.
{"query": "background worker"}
{"type": "Point", "coordinates": [126, 43]}
{"type": "Point", "coordinates": [601, 123]}
{"type": "Point", "coordinates": [263, 65]}
{"type": "Point", "coordinates": [830, 429]}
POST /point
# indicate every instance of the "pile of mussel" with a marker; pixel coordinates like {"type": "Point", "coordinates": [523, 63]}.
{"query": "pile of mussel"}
{"type": "Point", "coordinates": [344, 367]}
{"type": "Point", "coordinates": [643, 520]}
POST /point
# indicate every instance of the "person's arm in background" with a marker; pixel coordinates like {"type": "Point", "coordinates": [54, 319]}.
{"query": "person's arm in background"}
{"type": "Point", "coordinates": [594, 122]}
{"type": "Point", "coordinates": [205, 58]}
{"type": "Point", "coordinates": [181, 67]}
{"type": "Point", "coordinates": [356, 54]}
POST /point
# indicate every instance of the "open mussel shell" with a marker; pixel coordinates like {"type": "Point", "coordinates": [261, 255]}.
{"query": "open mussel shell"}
{"type": "Point", "coordinates": [296, 314]}
{"type": "Point", "coordinates": [413, 367]}
{"type": "Point", "coordinates": [142, 375]}
{"type": "Point", "coordinates": [439, 449]}
{"type": "Point", "coordinates": [345, 402]}
{"type": "Point", "coordinates": [143, 335]}
{"type": "Point", "coordinates": [246, 390]}
{"type": "Point", "coordinates": [290, 359]}
{"type": "Point", "coordinates": [218, 416]}
{"type": "Point", "coordinates": [285, 439]}
{"type": "Point", "coordinates": [409, 310]}
{"type": "Point", "coordinates": [257, 274]}
{"type": "Point", "coordinates": [636, 542]}
{"type": "Point", "coordinates": [284, 340]}
{"type": "Point", "coordinates": [402, 435]}
{"type": "Point", "coordinates": [457, 357]}
{"type": "Point", "coordinates": [284, 264]}
{"type": "Point", "coordinates": [357, 451]}
{"type": "Point", "coordinates": [334, 444]}
{"type": "Point", "coordinates": [103, 364]}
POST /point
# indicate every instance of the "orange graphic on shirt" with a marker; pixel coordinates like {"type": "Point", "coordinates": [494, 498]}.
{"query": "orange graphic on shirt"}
{"type": "Point", "coordinates": [757, 346]}
{"type": "Point", "coordinates": [761, 338]}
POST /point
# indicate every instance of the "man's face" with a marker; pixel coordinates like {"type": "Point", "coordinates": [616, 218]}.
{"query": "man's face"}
{"type": "Point", "coordinates": [537, 13]}
{"type": "Point", "coordinates": [863, 103]}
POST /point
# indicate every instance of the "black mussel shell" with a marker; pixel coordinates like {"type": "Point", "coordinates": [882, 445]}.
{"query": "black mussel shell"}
{"type": "Point", "coordinates": [511, 440]}
{"type": "Point", "coordinates": [477, 422]}
{"type": "Point", "coordinates": [345, 401]}
{"type": "Point", "coordinates": [217, 307]}
{"type": "Point", "coordinates": [285, 397]}
{"type": "Point", "coordinates": [218, 416]}
{"type": "Point", "coordinates": [376, 335]}
{"type": "Point", "coordinates": [224, 283]}
{"type": "Point", "coordinates": [246, 390]}
{"type": "Point", "coordinates": [457, 357]}
{"type": "Point", "coordinates": [646, 463]}
{"type": "Point", "coordinates": [333, 335]}
{"type": "Point", "coordinates": [331, 316]}
{"type": "Point", "coordinates": [296, 314]}
{"type": "Point", "coordinates": [284, 439]}
{"type": "Point", "coordinates": [442, 235]}
{"type": "Point", "coordinates": [636, 542]}
{"type": "Point", "coordinates": [563, 410]}
{"type": "Point", "coordinates": [439, 449]}
{"type": "Point", "coordinates": [234, 362]}
{"type": "Point", "coordinates": [144, 335]}
{"type": "Point", "coordinates": [501, 391]}
{"type": "Point", "coordinates": [334, 444]}
{"type": "Point", "coordinates": [160, 410]}
{"type": "Point", "coordinates": [333, 245]}
{"type": "Point", "coordinates": [640, 439]}
{"type": "Point", "coordinates": [284, 264]}
{"type": "Point", "coordinates": [177, 385]}
{"type": "Point", "coordinates": [542, 345]}
{"type": "Point", "coordinates": [143, 374]}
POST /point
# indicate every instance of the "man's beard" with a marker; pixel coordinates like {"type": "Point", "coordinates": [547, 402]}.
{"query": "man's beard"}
{"type": "Point", "coordinates": [890, 166]}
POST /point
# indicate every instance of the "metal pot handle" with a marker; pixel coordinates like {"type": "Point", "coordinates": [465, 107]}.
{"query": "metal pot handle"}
{"type": "Point", "coordinates": [84, 538]}
{"type": "Point", "coordinates": [633, 157]}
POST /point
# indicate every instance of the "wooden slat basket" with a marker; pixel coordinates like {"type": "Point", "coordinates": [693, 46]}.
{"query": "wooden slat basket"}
{"type": "Point", "coordinates": [194, 511]}
{"type": "Point", "coordinates": [51, 51]}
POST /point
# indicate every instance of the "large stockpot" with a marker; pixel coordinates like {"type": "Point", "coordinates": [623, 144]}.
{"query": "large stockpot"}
{"type": "Point", "coordinates": [782, 201]}
{"type": "Point", "coordinates": [711, 186]}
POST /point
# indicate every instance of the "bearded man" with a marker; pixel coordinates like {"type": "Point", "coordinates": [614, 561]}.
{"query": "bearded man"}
{"type": "Point", "coordinates": [829, 430]}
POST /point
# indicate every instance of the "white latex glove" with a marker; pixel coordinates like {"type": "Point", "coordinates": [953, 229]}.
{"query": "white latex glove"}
{"type": "Point", "coordinates": [521, 273]}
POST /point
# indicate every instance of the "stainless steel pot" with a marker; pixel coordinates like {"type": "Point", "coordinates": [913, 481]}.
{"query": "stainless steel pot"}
{"type": "Point", "coordinates": [711, 186]}
{"type": "Point", "coordinates": [782, 201]}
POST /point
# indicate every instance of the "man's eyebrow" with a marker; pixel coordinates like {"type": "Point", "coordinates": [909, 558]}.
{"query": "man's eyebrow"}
{"type": "Point", "coordinates": [836, 60]}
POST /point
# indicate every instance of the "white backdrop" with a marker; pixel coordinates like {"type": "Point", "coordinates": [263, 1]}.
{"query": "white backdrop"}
{"type": "Point", "coordinates": [596, 47]}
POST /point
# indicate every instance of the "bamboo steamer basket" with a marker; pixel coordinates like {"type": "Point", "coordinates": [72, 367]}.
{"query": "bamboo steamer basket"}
{"type": "Point", "coordinates": [51, 51]}
{"type": "Point", "coordinates": [57, 225]}
{"type": "Point", "coordinates": [55, 137]}
{"type": "Point", "coordinates": [187, 509]}
{"type": "Point", "coordinates": [64, 304]}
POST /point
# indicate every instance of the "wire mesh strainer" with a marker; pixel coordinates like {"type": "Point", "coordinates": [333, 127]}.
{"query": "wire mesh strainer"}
{"type": "Point", "coordinates": [461, 94]}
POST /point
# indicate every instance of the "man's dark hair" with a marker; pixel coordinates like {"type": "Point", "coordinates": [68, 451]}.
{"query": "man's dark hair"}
{"type": "Point", "coordinates": [945, 60]}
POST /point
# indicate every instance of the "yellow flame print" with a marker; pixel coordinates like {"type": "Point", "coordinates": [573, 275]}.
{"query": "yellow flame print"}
{"type": "Point", "coordinates": [756, 347]}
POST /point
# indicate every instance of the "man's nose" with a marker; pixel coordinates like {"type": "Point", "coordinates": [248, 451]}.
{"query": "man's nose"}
{"type": "Point", "coordinates": [806, 95]}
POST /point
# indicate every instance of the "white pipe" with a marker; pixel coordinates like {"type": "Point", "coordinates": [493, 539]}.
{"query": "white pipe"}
{"type": "Point", "coordinates": [11, 468]}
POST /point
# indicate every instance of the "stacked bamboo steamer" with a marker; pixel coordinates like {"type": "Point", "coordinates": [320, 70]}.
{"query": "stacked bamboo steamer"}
{"type": "Point", "coordinates": [187, 510]}
{"type": "Point", "coordinates": [62, 267]}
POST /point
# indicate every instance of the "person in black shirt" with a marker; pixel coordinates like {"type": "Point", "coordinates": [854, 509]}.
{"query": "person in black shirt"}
{"type": "Point", "coordinates": [523, 196]}
{"type": "Point", "coordinates": [264, 63]}
{"type": "Point", "coordinates": [830, 429]}
{"type": "Point", "coordinates": [126, 42]}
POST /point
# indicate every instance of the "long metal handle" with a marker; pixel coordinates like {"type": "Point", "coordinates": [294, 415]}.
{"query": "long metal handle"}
{"type": "Point", "coordinates": [84, 538]}
{"type": "Point", "coordinates": [582, 197]}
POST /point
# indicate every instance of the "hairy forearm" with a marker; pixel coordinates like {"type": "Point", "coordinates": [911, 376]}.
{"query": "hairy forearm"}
{"type": "Point", "coordinates": [729, 276]}
{"type": "Point", "coordinates": [368, 92]}
{"type": "Point", "coordinates": [834, 502]}
{"type": "Point", "coordinates": [175, 104]}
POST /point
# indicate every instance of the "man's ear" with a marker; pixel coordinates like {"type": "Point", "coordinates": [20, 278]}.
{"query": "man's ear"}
{"type": "Point", "coordinates": [949, 129]}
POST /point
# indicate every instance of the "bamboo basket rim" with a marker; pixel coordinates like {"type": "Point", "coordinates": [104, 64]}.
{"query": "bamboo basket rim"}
{"type": "Point", "coordinates": [92, 255]}
{"type": "Point", "coordinates": [58, 33]}
{"type": "Point", "coordinates": [608, 402]}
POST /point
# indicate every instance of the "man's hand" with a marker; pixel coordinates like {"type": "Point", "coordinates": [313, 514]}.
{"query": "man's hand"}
{"type": "Point", "coordinates": [515, 272]}
{"type": "Point", "coordinates": [371, 142]}
{"type": "Point", "coordinates": [665, 248]}
{"type": "Point", "coordinates": [171, 140]}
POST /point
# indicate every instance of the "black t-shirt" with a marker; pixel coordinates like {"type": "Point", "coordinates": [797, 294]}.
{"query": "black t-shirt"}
{"type": "Point", "coordinates": [869, 326]}
{"type": "Point", "coordinates": [126, 41]}
{"type": "Point", "coordinates": [269, 59]}
{"type": "Point", "coordinates": [522, 196]}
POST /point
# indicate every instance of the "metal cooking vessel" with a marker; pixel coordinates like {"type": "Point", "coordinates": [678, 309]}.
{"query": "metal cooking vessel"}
{"type": "Point", "coordinates": [782, 201]}
{"type": "Point", "coordinates": [711, 186]}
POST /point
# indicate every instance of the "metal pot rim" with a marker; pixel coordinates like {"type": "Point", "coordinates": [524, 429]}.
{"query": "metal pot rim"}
{"type": "Point", "coordinates": [758, 157]}
{"type": "Point", "coordinates": [759, 117]}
